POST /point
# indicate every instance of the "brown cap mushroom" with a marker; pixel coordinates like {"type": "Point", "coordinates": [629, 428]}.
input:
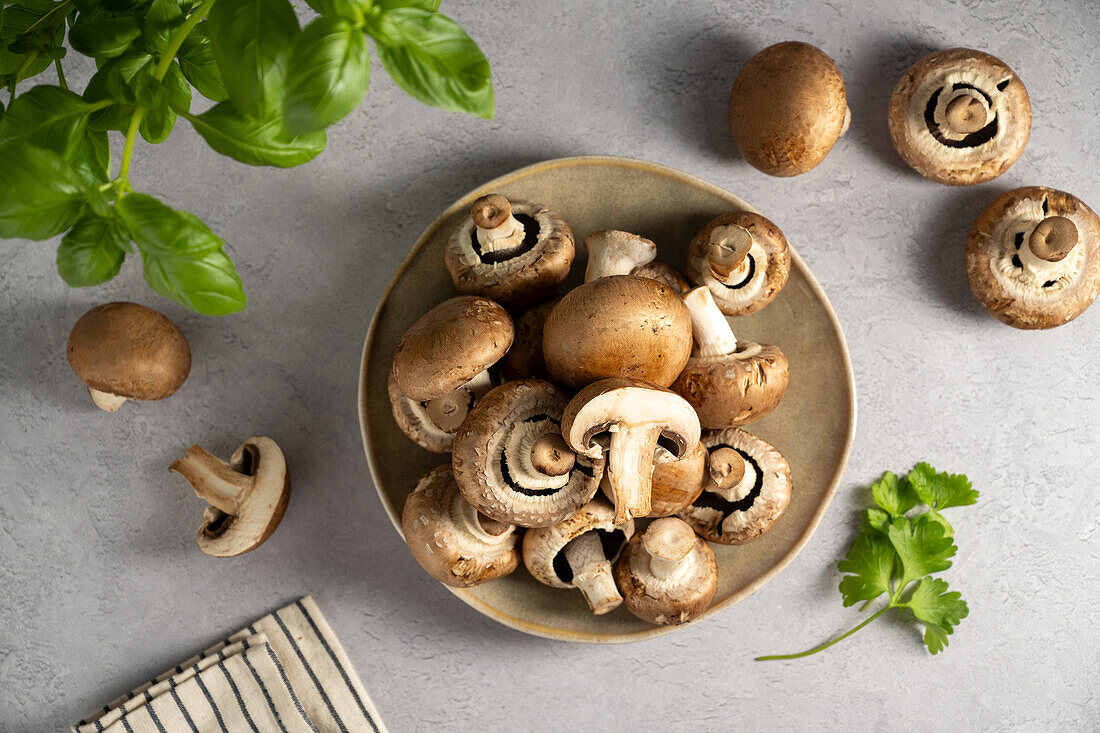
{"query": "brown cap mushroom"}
{"type": "Point", "coordinates": [450, 345]}
{"type": "Point", "coordinates": [578, 553]}
{"type": "Point", "coordinates": [432, 424]}
{"type": "Point", "coordinates": [676, 481]}
{"type": "Point", "coordinates": [247, 496]}
{"type": "Point", "coordinates": [787, 108]}
{"type": "Point", "coordinates": [618, 326]}
{"type": "Point", "coordinates": [511, 462]}
{"type": "Point", "coordinates": [960, 117]}
{"type": "Point", "coordinates": [613, 252]}
{"type": "Point", "coordinates": [743, 259]}
{"type": "Point", "coordinates": [127, 351]}
{"type": "Point", "coordinates": [524, 359]}
{"type": "Point", "coordinates": [515, 252]}
{"type": "Point", "coordinates": [449, 538]}
{"type": "Point", "coordinates": [1033, 257]}
{"type": "Point", "coordinates": [728, 382]}
{"type": "Point", "coordinates": [749, 489]}
{"type": "Point", "coordinates": [667, 274]}
{"type": "Point", "coordinates": [667, 575]}
{"type": "Point", "coordinates": [628, 419]}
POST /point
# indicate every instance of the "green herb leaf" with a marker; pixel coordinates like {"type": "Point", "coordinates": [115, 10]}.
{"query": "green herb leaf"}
{"type": "Point", "coordinates": [429, 5]}
{"type": "Point", "coordinates": [92, 251]}
{"type": "Point", "coordinates": [871, 560]}
{"type": "Point", "coordinates": [104, 38]}
{"type": "Point", "coordinates": [353, 10]}
{"type": "Point", "coordinates": [921, 546]}
{"type": "Point", "coordinates": [896, 497]}
{"type": "Point", "coordinates": [48, 117]}
{"type": "Point", "coordinates": [183, 259]}
{"type": "Point", "coordinates": [40, 194]}
{"type": "Point", "coordinates": [162, 18]}
{"type": "Point", "coordinates": [434, 60]}
{"type": "Point", "coordinates": [875, 520]}
{"type": "Point", "coordinates": [196, 59]}
{"type": "Point", "coordinates": [16, 30]}
{"type": "Point", "coordinates": [173, 94]}
{"type": "Point", "coordinates": [251, 41]}
{"type": "Point", "coordinates": [938, 610]}
{"type": "Point", "coordinates": [329, 75]}
{"type": "Point", "coordinates": [255, 141]}
{"type": "Point", "coordinates": [941, 490]}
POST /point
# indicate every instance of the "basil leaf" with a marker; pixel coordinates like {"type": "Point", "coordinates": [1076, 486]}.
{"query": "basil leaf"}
{"type": "Point", "coordinates": [91, 160]}
{"type": "Point", "coordinates": [40, 194]}
{"type": "Point", "coordinates": [48, 117]}
{"type": "Point", "coordinates": [254, 140]}
{"type": "Point", "coordinates": [433, 60]}
{"type": "Point", "coordinates": [196, 59]}
{"type": "Point", "coordinates": [91, 253]}
{"type": "Point", "coordinates": [160, 118]}
{"type": "Point", "coordinates": [429, 5]}
{"type": "Point", "coordinates": [17, 22]}
{"type": "Point", "coordinates": [251, 40]}
{"type": "Point", "coordinates": [353, 10]}
{"type": "Point", "coordinates": [183, 259]}
{"type": "Point", "coordinates": [162, 17]}
{"type": "Point", "coordinates": [39, 6]}
{"type": "Point", "coordinates": [328, 77]}
{"type": "Point", "coordinates": [104, 38]}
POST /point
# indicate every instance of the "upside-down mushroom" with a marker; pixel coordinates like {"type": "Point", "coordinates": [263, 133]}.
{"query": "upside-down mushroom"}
{"type": "Point", "coordinates": [743, 259]}
{"type": "Point", "coordinates": [614, 252]}
{"type": "Point", "coordinates": [432, 424]}
{"type": "Point", "coordinates": [666, 574]}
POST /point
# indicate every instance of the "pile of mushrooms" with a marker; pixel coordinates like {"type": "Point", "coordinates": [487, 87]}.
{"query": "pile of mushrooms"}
{"type": "Point", "coordinates": [595, 434]}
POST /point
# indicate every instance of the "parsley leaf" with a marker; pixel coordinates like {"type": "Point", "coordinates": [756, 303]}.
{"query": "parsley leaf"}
{"type": "Point", "coordinates": [871, 560]}
{"type": "Point", "coordinates": [941, 490]}
{"type": "Point", "coordinates": [939, 611]}
{"type": "Point", "coordinates": [896, 497]}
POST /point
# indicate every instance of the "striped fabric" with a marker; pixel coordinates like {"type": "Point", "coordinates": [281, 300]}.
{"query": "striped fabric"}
{"type": "Point", "coordinates": [286, 672]}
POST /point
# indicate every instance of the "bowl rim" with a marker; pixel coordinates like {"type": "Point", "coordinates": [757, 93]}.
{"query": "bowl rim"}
{"type": "Point", "coordinates": [552, 632]}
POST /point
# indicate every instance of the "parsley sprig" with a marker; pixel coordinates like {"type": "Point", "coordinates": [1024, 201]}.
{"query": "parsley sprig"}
{"type": "Point", "coordinates": [898, 550]}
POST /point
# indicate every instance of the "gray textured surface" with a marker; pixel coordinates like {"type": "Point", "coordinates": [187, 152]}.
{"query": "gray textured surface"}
{"type": "Point", "coordinates": [101, 584]}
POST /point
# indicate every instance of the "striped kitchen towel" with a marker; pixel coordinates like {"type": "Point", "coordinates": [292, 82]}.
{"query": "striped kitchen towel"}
{"type": "Point", "coordinates": [286, 672]}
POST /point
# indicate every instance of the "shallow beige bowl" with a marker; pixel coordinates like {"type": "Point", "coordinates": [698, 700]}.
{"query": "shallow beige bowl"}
{"type": "Point", "coordinates": [813, 426]}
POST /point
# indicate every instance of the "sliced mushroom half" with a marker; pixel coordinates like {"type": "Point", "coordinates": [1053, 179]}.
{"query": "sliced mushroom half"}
{"type": "Point", "coordinates": [578, 552]}
{"type": "Point", "coordinates": [960, 117]}
{"type": "Point", "coordinates": [728, 382]}
{"type": "Point", "coordinates": [749, 488]}
{"type": "Point", "coordinates": [512, 463]}
{"type": "Point", "coordinates": [667, 575]}
{"type": "Point", "coordinates": [743, 259]}
{"type": "Point", "coordinates": [614, 252]}
{"type": "Point", "coordinates": [676, 481]}
{"type": "Point", "coordinates": [515, 252]}
{"type": "Point", "coordinates": [1033, 257]}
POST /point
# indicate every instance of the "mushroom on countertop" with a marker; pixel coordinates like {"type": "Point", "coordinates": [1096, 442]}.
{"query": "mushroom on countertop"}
{"type": "Point", "coordinates": [666, 274]}
{"type": "Point", "coordinates": [676, 481]}
{"type": "Point", "coordinates": [515, 252]}
{"type": "Point", "coordinates": [666, 574]}
{"type": "Point", "coordinates": [748, 490]}
{"type": "Point", "coordinates": [450, 539]}
{"type": "Point", "coordinates": [511, 461]}
{"type": "Point", "coordinates": [432, 424]}
{"type": "Point", "coordinates": [743, 258]}
{"type": "Point", "coordinates": [614, 252]}
{"type": "Point", "coordinates": [629, 419]}
{"type": "Point", "coordinates": [1033, 257]}
{"type": "Point", "coordinates": [960, 117]}
{"type": "Point", "coordinates": [617, 326]}
{"type": "Point", "coordinates": [524, 359]}
{"type": "Point", "coordinates": [578, 552]}
{"type": "Point", "coordinates": [728, 382]}
{"type": "Point", "coordinates": [788, 108]}
{"type": "Point", "coordinates": [247, 496]}
{"type": "Point", "coordinates": [127, 351]}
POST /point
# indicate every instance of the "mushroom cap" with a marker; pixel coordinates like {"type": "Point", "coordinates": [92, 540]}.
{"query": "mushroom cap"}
{"type": "Point", "coordinates": [618, 326]}
{"type": "Point", "coordinates": [919, 105]}
{"type": "Point", "coordinates": [787, 108]}
{"type": "Point", "coordinates": [450, 345]}
{"type": "Point", "coordinates": [525, 275]}
{"type": "Point", "coordinates": [492, 457]}
{"type": "Point", "coordinates": [451, 552]}
{"type": "Point", "coordinates": [670, 602]}
{"type": "Point", "coordinates": [676, 481]}
{"type": "Point", "coordinates": [524, 359]}
{"type": "Point", "coordinates": [745, 520]}
{"type": "Point", "coordinates": [612, 404]}
{"type": "Point", "coordinates": [260, 509]}
{"type": "Point", "coordinates": [736, 389]}
{"type": "Point", "coordinates": [664, 273]}
{"type": "Point", "coordinates": [1015, 294]}
{"type": "Point", "coordinates": [542, 546]}
{"type": "Point", "coordinates": [129, 350]}
{"type": "Point", "coordinates": [769, 264]}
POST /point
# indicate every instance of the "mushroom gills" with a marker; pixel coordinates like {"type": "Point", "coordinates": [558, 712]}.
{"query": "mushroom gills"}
{"type": "Point", "coordinates": [523, 476]}
{"type": "Point", "coordinates": [492, 257]}
{"type": "Point", "coordinates": [611, 541]}
{"type": "Point", "coordinates": [725, 506]}
{"type": "Point", "coordinates": [590, 572]}
{"type": "Point", "coordinates": [448, 412]}
{"type": "Point", "coordinates": [969, 140]}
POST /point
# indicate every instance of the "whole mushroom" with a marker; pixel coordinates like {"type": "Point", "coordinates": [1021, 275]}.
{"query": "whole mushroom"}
{"type": "Point", "coordinates": [748, 490]}
{"type": "Point", "coordinates": [511, 461]}
{"type": "Point", "coordinates": [629, 419]}
{"type": "Point", "coordinates": [960, 117]}
{"type": "Point", "coordinates": [127, 351]}
{"type": "Point", "coordinates": [614, 252]}
{"type": "Point", "coordinates": [578, 552]}
{"type": "Point", "coordinates": [1033, 257]}
{"type": "Point", "coordinates": [450, 539]}
{"type": "Point", "coordinates": [666, 574]}
{"type": "Point", "coordinates": [515, 252]}
{"type": "Point", "coordinates": [788, 108]}
{"type": "Point", "coordinates": [676, 481]}
{"type": "Point", "coordinates": [743, 259]}
{"type": "Point", "coordinates": [247, 496]}
{"type": "Point", "coordinates": [728, 382]}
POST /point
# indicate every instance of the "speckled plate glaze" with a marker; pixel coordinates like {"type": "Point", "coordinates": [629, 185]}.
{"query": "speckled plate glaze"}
{"type": "Point", "coordinates": [813, 426]}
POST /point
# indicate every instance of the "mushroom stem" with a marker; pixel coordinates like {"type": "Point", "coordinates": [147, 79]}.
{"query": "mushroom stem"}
{"type": "Point", "coordinates": [669, 542]}
{"type": "Point", "coordinates": [105, 400]}
{"type": "Point", "coordinates": [467, 518]}
{"type": "Point", "coordinates": [727, 253]}
{"type": "Point", "coordinates": [732, 475]}
{"type": "Point", "coordinates": [630, 469]}
{"type": "Point", "coordinates": [1053, 239]}
{"type": "Point", "coordinates": [712, 332]}
{"type": "Point", "coordinates": [592, 572]}
{"type": "Point", "coordinates": [212, 479]}
{"type": "Point", "coordinates": [965, 113]}
{"type": "Point", "coordinates": [448, 412]}
{"type": "Point", "coordinates": [497, 229]}
{"type": "Point", "coordinates": [550, 455]}
{"type": "Point", "coordinates": [847, 121]}
{"type": "Point", "coordinates": [614, 253]}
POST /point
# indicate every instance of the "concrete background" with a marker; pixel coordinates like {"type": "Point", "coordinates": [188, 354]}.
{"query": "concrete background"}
{"type": "Point", "coordinates": [102, 586]}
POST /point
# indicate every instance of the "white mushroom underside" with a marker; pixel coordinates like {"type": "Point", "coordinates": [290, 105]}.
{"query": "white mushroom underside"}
{"type": "Point", "coordinates": [741, 489]}
{"type": "Point", "coordinates": [742, 297]}
{"type": "Point", "coordinates": [686, 569]}
{"type": "Point", "coordinates": [470, 258]}
{"type": "Point", "coordinates": [517, 451]}
{"type": "Point", "coordinates": [431, 435]}
{"type": "Point", "coordinates": [1026, 283]}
